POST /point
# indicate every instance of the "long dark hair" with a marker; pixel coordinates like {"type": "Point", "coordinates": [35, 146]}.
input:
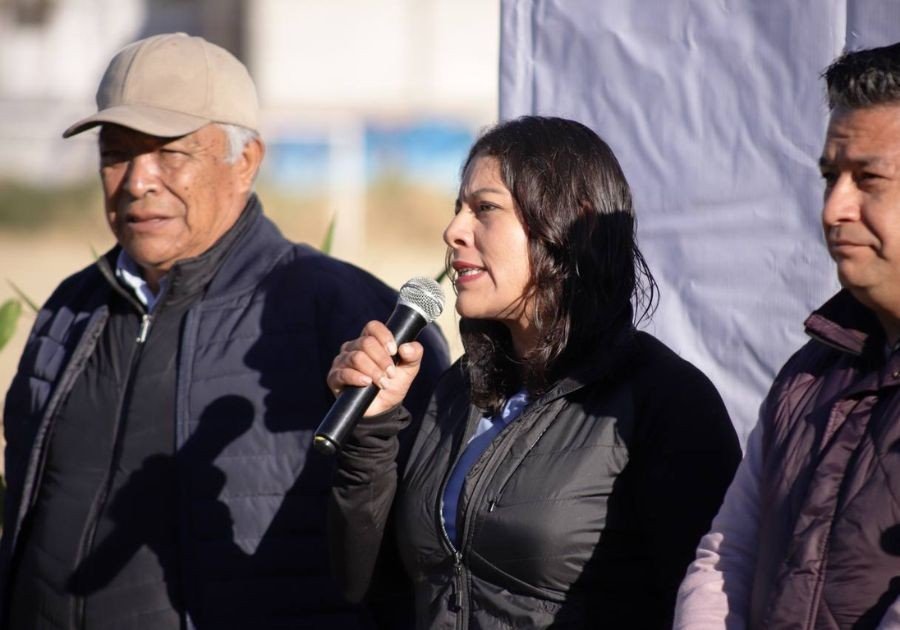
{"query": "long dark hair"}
{"type": "Point", "coordinates": [586, 269]}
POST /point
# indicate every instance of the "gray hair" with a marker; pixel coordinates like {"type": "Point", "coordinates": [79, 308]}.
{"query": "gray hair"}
{"type": "Point", "coordinates": [864, 78]}
{"type": "Point", "coordinates": [238, 138]}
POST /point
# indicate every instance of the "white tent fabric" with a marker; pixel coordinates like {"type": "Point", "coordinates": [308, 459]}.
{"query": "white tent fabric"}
{"type": "Point", "coordinates": [717, 112]}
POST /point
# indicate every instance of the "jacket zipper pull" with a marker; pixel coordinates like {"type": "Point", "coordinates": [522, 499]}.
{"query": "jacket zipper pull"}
{"type": "Point", "coordinates": [457, 583]}
{"type": "Point", "coordinates": [145, 328]}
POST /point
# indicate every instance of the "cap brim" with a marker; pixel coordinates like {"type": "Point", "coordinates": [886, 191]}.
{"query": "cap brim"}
{"type": "Point", "coordinates": [150, 120]}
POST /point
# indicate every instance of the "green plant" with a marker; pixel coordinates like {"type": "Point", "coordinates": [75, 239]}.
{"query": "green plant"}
{"type": "Point", "coordinates": [23, 297]}
{"type": "Point", "coordinates": [10, 311]}
{"type": "Point", "coordinates": [329, 237]}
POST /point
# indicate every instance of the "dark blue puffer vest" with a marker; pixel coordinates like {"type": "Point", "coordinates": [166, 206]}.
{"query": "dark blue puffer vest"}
{"type": "Point", "coordinates": [249, 498]}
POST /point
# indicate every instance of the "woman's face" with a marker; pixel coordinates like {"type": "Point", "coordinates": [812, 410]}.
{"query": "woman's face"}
{"type": "Point", "coordinates": [489, 249]}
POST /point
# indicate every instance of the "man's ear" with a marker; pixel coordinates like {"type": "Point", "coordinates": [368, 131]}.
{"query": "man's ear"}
{"type": "Point", "coordinates": [247, 164]}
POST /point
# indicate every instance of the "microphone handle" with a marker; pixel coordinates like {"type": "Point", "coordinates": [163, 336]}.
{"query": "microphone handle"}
{"type": "Point", "coordinates": [405, 323]}
{"type": "Point", "coordinates": [333, 430]}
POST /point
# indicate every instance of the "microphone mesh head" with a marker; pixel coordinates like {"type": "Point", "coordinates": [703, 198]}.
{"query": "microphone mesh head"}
{"type": "Point", "coordinates": [423, 294]}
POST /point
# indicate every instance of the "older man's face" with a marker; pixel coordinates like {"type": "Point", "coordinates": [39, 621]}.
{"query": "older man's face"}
{"type": "Point", "coordinates": [861, 215]}
{"type": "Point", "coordinates": [168, 199]}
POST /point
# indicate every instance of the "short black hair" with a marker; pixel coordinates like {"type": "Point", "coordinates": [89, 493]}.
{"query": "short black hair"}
{"type": "Point", "coordinates": [864, 78]}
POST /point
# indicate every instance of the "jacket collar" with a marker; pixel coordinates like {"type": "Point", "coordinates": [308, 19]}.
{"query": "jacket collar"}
{"type": "Point", "coordinates": [191, 276]}
{"type": "Point", "coordinates": [598, 365]}
{"type": "Point", "coordinates": [249, 242]}
{"type": "Point", "coordinates": [254, 252]}
{"type": "Point", "coordinates": [846, 325]}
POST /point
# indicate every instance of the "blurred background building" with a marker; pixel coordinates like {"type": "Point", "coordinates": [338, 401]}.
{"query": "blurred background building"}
{"type": "Point", "coordinates": [368, 108]}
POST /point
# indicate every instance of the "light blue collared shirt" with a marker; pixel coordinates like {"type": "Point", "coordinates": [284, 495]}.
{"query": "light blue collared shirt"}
{"type": "Point", "coordinates": [488, 428]}
{"type": "Point", "coordinates": [129, 273]}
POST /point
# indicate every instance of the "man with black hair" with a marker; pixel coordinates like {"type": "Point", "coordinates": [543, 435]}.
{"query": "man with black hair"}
{"type": "Point", "coordinates": [809, 533]}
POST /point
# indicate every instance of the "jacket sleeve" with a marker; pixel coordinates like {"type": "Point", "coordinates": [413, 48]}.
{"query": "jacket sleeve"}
{"type": "Point", "coordinates": [685, 460]}
{"type": "Point", "coordinates": [360, 503]}
{"type": "Point", "coordinates": [715, 593]}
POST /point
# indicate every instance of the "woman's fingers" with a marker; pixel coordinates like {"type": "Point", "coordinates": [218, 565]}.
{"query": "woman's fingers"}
{"type": "Point", "coordinates": [410, 355]}
{"type": "Point", "coordinates": [373, 357]}
{"type": "Point", "coordinates": [381, 333]}
{"type": "Point", "coordinates": [364, 360]}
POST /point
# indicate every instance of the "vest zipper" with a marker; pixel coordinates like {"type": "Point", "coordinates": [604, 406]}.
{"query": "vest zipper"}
{"type": "Point", "coordinates": [463, 525]}
{"type": "Point", "coordinates": [103, 497]}
{"type": "Point", "coordinates": [456, 595]}
{"type": "Point", "coordinates": [502, 440]}
{"type": "Point", "coordinates": [456, 598]}
{"type": "Point", "coordinates": [458, 581]}
{"type": "Point", "coordinates": [145, 328]}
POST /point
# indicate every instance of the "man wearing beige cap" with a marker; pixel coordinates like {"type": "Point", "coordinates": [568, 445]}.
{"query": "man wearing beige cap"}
{"type": "Point", "coordinates": [159, 427]}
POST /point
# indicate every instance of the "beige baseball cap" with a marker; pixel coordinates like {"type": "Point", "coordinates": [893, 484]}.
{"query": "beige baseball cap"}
{"type": "Point", "coordinates": [171, 85]}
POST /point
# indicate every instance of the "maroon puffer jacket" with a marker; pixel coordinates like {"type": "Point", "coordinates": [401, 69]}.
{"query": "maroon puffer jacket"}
{"type": "Point", "coordinates": [829, 554]}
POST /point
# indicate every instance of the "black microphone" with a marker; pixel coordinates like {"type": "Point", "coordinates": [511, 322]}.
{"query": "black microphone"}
{"type": "Point", "coordinates": [421, 301]}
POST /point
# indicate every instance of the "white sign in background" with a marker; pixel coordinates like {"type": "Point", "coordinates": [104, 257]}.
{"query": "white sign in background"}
{"type": "Point", "coordinates": [717, 112]}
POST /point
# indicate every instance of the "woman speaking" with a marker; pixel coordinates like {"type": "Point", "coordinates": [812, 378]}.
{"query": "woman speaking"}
{"type": "Point", "coordinates": [568, 464]}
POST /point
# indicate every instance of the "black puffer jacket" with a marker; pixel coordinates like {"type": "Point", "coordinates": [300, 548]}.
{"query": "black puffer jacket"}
{"type": "Point", "coordinates": [582, 513]}
{"type": "Point", "coordinates": [828, 551]}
